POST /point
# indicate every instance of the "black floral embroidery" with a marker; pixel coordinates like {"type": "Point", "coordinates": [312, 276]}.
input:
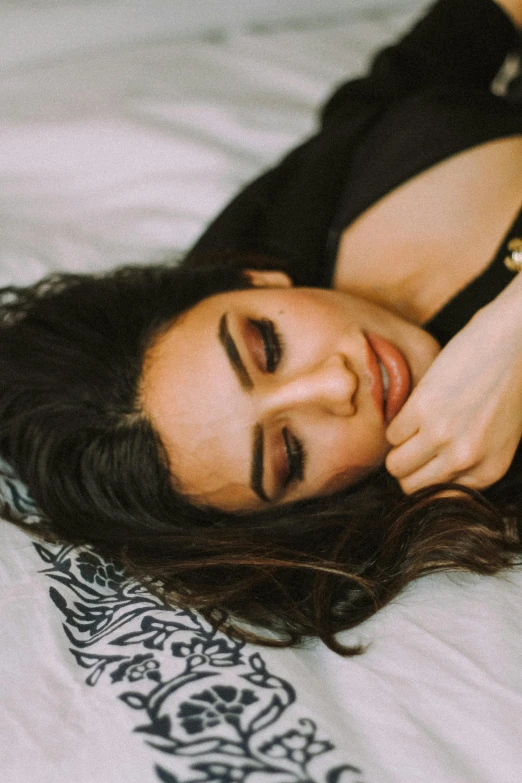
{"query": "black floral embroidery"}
{"type": "Point", "coordinates": [301, 746]}
{"type": "Point", "coordinates": [95, 571]}
{"type": "Point", "coordinates": [138, 668]}
{"type": "Point", "coordinates": [216, 653]}
{"type": "Point", "coordinates": [206, 703]}
{"type": "Point", "coordinates": [213, 706]}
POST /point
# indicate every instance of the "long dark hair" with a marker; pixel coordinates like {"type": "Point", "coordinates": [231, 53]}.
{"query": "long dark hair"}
{"type": "Point", "coordinates": [71, 354]}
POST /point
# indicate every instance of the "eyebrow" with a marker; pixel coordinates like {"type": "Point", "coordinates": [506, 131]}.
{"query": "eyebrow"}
{"type": "Point", "coordinates": [225, 338]}
{"type": "Point", "coordinates": [256, 472]}
{"type": "Point", "coordinates": [257, 467]}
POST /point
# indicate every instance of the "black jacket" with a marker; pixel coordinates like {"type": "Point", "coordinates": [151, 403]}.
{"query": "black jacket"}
{"type": "Point", "coordinates": [424, 99]}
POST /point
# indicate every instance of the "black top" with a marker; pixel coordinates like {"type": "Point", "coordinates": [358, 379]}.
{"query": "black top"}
{"type": "Point", "coordinates": [425, 98]}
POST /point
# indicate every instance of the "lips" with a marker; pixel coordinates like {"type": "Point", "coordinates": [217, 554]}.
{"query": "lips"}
{"type": "Point", "coordinates": [399, 375]}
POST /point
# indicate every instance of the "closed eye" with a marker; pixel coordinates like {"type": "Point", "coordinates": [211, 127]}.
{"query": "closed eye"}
{"type": "Point", "coordinates": [296, 458]}
{"type": "Point", "coordinates": [271, 343]}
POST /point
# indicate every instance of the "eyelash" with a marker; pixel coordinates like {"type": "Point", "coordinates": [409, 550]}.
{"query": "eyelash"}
{"type": "Point", "coordinates": [272, 342]}
{"type": "Point", "coordinates": [296, 455]}
{"type": "Point", "coordinates": [274, 349]}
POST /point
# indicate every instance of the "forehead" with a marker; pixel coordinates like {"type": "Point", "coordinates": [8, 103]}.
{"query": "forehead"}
{"type": "Point", "coordinates": [196, 405]}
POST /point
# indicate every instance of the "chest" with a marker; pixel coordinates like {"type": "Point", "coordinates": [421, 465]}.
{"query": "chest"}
{"type": "Point", "coordinates": [415, 248]}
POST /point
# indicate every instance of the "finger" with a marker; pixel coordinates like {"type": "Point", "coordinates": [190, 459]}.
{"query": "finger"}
{"type": "Point", "coordinates": [469, 480]}
{"type": "Point", "coordinates": [409, 457]}
{"type": "Point", "coordinates": [466, 479]}
{"type": "Point", "coordinates": [403, 427]}
{"type": "Point", "coordinates": [433, 472]}
{"type": "Point", "coordinates": [478, 478]}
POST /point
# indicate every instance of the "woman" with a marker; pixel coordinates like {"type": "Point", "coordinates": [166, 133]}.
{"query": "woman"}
{"type": "Point", "coordinates": [223, 431]}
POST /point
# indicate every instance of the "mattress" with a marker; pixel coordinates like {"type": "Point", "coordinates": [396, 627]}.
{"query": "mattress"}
{"type": "Point", "coordinates": [124, 127]}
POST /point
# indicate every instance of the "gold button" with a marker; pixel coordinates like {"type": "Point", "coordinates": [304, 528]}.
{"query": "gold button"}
{"type": "Point", "coordinates": [514, 260]}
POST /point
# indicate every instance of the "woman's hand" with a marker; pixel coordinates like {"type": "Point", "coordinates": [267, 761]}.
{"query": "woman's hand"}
{"type": "Point", "coordinates": [463, 422]}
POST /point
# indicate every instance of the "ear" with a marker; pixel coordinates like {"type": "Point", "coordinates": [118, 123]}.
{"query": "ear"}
{"type": "Point", "coordinates": [268, 278]}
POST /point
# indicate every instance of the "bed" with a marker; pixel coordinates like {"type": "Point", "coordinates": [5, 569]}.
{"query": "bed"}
{"type": "Point", "coordinates": [124, 127]}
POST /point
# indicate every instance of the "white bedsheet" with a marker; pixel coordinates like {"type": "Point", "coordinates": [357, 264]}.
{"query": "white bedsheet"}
{"type": "Point", "coordinates": [122, 151]}
{"type": "Point", "coordinates": [118, 142]}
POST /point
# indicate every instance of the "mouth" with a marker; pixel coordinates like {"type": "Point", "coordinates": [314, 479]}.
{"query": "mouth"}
{"type": "Point", "coordinates": [390, 376]}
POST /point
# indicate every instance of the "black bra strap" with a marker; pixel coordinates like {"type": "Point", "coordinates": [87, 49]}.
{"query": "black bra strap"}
{"type": "Point", "coordinates": [459, 310]}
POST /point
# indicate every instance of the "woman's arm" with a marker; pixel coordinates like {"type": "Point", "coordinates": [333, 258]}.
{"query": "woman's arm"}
{"type": "Point", "coordinates": [463, 422]}
{"type": "Point", "coordinates": [287, 212]}
{"type": "Point", "coordinates": [457, 42]}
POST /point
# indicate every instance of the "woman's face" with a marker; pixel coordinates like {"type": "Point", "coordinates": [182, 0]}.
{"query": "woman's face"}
{"type": "Point", "coordinates": [270, 395]}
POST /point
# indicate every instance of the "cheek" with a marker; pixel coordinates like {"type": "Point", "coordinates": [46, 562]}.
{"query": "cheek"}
{"type": "Point", "coordinates": [321, 319]}
{"type": "Point", "coordinates": [348, 454]}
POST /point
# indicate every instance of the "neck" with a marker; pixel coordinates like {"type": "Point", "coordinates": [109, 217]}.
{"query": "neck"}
{"type": "Point", "coordinates": [416, 297]}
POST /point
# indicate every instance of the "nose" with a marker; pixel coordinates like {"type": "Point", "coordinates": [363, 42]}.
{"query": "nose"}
{"type": "Point", "coordinates": [330, 386]}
